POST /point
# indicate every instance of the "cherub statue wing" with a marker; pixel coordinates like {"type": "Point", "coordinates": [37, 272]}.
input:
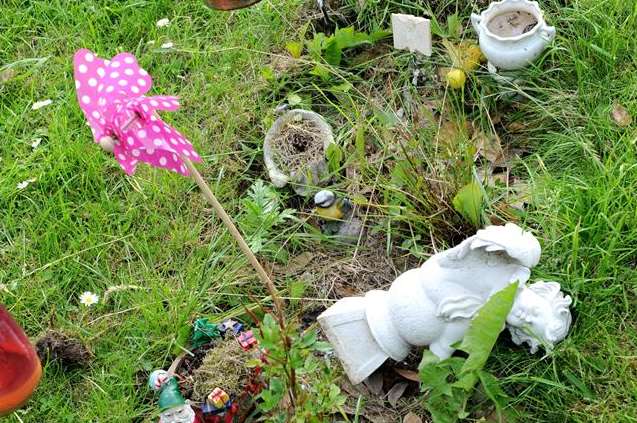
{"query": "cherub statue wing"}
{"type": "Point", "coordinates": [462, 307]}
{"type": "Point", "coordinates": [513, 240]}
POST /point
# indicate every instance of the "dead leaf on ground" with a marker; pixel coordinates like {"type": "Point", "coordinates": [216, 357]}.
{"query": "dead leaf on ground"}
{"type": "Point", "coordinates": [369, 54]}
{"type": "Point", "coordinates": [375, 383]}
{"type": "Point", "coordinates": [408, 374]}
{"type": "Point", "coordinates": [484, 175]}
{"type": "Point", "coordinates": [450, 134]}
{"type": "Point", "coordinates": [396, 392]}
{"type": "Point", "coordinates": [495, 418]}
{"type": "Point", "coordinates": [500, 221]}
{"type": "Point", "coordinates": [443, 71]}
{"type": "Point", "coordinates": [372, 408]}
{"type": "Point", "coordinates": [411, 418]}
{"type": "Point", "coordinates": [423, 114]}
{"type": "Point", "coordinates": [516, 127]}
{"type": "Point", "coordinates": [501, 177]}
{"type": "Point", "coordinates": [6, 75]}
{"type": "Point", "coordinates": [508, 209]}
{"type": "Point", "coordinates": [504, 214]}
{"type": "Point", "coordinates": [354, 390]}
{"type": "Point", "coordinates": [282, 64]}
{"type": "Point", "coordinates": [488, 177]}
{"type": "Point", "coordinates": [496, 118]}
{"type": "Point", "coordinates": [489, 147]}
{"type": "Point", "coordinates": [621, 116]}
{"type": "Point", "coordinates": [373, 414]}
{"type": "Point", "coordinates": [295, 264]}
{"type": "Point", "coordinates": [343, 291]}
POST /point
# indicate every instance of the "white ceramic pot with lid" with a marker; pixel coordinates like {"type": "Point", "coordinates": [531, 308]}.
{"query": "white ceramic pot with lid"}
{"type": "Point", "coordinates": [512, 33]}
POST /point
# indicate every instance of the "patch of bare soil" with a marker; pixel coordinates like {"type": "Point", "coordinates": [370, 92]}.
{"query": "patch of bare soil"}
{"type": "Point", "coordinates": [68, 352]}
{"type": "Point", "coordinates": [336, 272]}
{"type": "Point", "coordinates": [387, 397]}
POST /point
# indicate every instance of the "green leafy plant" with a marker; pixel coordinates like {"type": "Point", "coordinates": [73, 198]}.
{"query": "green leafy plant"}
{"type": "Point", "coordinates": [453, 28]}
{"type": "Point", "coordinates": [335, 157]}
{"type": "Point", "coordinates": [295, 48]}
{"type": "Point", "coordinates": [262, 214]}
{"type": "Point", "coordinates": [448, 384]}
{"type": "Point", "coordinates": [469, 203]}
{"type": "Point", "coordinates": [330, 49]}
{"type": "Point", "coordinates": [300, 383]}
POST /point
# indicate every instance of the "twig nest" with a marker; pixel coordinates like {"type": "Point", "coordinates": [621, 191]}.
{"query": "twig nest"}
{"type": "Point", "coordinates": [294, 150]}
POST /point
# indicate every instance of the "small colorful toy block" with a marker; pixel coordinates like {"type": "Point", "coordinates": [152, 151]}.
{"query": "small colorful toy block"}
{"type": "Point", "coordinates": [218, 398]}
{"type": "Point", "coordinates": [232, 325]}
{"type": "Point", "coordinates": [247, 340]}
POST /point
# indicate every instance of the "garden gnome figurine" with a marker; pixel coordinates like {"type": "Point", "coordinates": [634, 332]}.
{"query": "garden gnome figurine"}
{"type": "Point", "coordinates": [174, 408]}
{"type": "Point", "coordinates": [433, 305]}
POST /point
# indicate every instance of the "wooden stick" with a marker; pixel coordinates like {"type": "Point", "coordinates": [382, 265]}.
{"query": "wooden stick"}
{"type": "Point", "coordinates": [208, 195]}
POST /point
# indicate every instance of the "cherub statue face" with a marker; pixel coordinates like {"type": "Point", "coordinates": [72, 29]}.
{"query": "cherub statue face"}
{"type": "Point", "coordinates": [181, 414]}
{"type": "Point", "coordinates": [540, 316]}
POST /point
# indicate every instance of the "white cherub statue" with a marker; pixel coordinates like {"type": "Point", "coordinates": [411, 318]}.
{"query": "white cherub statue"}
{"type": "Point", "coordinates": [433, 305]}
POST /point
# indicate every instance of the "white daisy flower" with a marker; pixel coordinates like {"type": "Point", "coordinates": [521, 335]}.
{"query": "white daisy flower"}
{"type": "Point", "coordinates": [163, 22]}
{"type": "Point", "coordinates": [88, 299]}
{"type": "Point", "coordinates": [167, 45]}
{"type": "Point", "coordinates": [40, 104]}
{"type": "Point", "coordinates": [36, 143]}
{"type": "Point", "coordinates": [24, 184]}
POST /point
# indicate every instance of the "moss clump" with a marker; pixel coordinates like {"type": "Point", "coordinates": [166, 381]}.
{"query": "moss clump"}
{"type": "Point", "coordinates": [224, 366]}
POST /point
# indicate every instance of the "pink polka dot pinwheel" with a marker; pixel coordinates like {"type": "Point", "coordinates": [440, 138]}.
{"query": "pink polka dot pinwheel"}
{"type": "Point", "coordinates": [111, 95]}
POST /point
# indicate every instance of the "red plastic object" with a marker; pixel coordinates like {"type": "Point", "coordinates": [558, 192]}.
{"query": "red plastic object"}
{"type": "Point", "coordinates": [230, 4]}
{"type": "Point", "coordinates": [247, 340]}
{"type": "Point", "coordinates": [20, 369]}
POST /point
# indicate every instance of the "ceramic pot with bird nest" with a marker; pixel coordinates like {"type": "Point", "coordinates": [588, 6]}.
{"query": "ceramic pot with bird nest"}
{"type": "Point", "coordinates": [295, 148]}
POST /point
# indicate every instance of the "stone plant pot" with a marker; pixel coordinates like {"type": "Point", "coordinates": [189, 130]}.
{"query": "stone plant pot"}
{"type": "Point", "coordinates": [506, 36]}
{"type": "Point", "coordinates": [310, 173]}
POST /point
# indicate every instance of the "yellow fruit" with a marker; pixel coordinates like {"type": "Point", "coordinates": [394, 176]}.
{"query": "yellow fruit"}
{"type": "Point", "coordinates": [472, 58]}
{"type": "Point", "coordinates": [456, 78]}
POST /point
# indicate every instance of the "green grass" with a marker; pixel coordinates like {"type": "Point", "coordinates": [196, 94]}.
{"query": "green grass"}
{"type": "Point", "coordinates": [584, 169]}
{"type": "Point", "coordinates": [83, 225]}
